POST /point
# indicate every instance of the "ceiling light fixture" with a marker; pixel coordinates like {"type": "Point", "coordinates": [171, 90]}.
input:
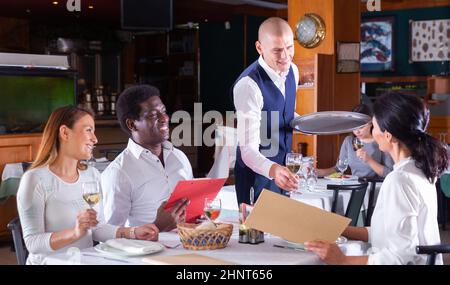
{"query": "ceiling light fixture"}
{"type": "Point", "coordinates": [55, 2]}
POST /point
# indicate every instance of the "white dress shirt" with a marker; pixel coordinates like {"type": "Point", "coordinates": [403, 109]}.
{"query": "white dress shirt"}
{"type": "Point", "coordinates": [405, 216]}
{"type": "Point", "coordinates": [248, 101]}
{"type": "Point", "coordinates": [136, 183]}
{"type": "Point", "coordinates": [47, 204]}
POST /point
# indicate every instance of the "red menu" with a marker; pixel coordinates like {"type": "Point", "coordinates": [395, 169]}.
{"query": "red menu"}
{"type": "Point", "coordinates": [195, 191]}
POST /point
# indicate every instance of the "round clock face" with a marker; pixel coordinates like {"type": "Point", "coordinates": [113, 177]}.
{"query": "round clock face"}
{"type": "Point", "coordinates": [310, 30]}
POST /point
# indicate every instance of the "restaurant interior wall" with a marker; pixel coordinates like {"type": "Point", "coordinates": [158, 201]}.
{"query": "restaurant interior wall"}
{"type": "Point", "coordinates": [225, 53]}
{"type": "Point", "coordinates": [401, 29]}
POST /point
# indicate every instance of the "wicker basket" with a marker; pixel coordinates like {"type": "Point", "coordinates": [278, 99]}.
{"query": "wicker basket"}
{"type": "Point", "coordinates": [191, 238]}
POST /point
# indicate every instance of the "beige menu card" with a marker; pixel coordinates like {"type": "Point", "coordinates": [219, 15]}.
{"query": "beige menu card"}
{"type": "Point", "coordinates": [293, 220]}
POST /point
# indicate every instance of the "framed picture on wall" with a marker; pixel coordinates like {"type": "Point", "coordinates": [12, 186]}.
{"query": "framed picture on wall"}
{"type": "Point", "coordinates": [347, 57]}
{"type": "Point", "coordinates": [377, 44]}
{"type": "Point", "coordinates": [429, 40]}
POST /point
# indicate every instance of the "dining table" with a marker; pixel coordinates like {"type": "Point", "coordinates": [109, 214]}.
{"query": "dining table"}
{"type": "Point", "coordinates": [273, 251]}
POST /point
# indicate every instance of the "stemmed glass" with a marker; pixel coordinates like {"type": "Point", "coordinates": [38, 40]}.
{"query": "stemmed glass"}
{"type": "Point", "coordinates": [91, 193]}
{"type": "Point", "coordinates": [293, 162]}
{"type": "Point", "coordinates": [308, 172]}
{"type": "Point", "coordinates": [342, 165]}
{"type": "Point", "coordinates": [357, 143]}
{"type": "Point", "coordinates": [212, 208]}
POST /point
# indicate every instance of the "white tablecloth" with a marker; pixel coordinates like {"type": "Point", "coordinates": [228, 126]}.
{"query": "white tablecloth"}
{"type": "Point", "coordinates": [246, 254]}
{"type": "Point", "coordinates": [320, 197]}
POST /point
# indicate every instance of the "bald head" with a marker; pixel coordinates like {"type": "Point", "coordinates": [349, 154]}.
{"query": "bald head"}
{"type": "Point", "coordinates": [276, 44]}
{"type": "Point", "coordinates": [273, 27]}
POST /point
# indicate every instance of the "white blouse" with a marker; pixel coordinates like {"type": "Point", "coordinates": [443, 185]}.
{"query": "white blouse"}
{"type": "Point", "coordinates": [405, 216]}
{"type": "Point", "coordinates": [47, 204]}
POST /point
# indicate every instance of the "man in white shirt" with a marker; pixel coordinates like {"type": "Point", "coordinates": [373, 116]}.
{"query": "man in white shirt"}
{"type": "Point", "coordinates": [139, 181]}
{"type": "Point", "coordinates": [266, 89]}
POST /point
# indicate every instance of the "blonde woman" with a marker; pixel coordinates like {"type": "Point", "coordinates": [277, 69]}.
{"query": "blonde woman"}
{"type": "Point", "coordinates": [52, 211]}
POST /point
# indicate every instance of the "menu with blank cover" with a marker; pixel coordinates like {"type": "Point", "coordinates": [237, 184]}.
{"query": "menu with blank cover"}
{"type": "Point", "coordinates": [195, 191]}
{"type": "Point", "coordinates": [293, 220]}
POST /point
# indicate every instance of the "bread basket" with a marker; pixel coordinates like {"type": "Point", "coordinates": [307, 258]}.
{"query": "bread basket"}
{"type": "Point", "coordinates": [201, 239]}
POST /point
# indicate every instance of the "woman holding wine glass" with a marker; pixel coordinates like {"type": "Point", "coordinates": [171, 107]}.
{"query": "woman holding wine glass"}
{"type": "Point", "coordinates": [52, 211]}
{"type": "Point", "coordinates": [362, 152]}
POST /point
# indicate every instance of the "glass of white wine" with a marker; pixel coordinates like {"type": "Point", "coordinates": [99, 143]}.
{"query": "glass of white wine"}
{"type": "Point", "coordinates": [91, 193]}
{"type": "Point", "coordinates": [357, 143]}
{"type": "Point", "coordinates": [293, 163]}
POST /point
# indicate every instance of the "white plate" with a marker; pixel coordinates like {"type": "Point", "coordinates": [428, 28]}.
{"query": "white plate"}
{"type": "Point", "coordinates": [346, 178]}
{"type": "Point", "coordinates": [104, 248]}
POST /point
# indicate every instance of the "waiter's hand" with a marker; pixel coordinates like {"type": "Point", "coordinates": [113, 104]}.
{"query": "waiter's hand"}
{"type": "Point", "coordinates": [283, 177]}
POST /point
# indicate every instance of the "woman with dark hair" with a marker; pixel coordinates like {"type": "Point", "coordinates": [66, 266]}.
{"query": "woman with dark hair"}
{"type": "Point", "coordinates": [406, 209]}
{"type": "Point", "coordinates": [52, 212]}
{"type": "Point", "coordinates": [367, 161]}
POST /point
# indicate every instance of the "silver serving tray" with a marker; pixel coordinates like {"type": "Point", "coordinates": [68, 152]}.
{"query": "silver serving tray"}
{"type": "Point", "coordinates": [329, 122]}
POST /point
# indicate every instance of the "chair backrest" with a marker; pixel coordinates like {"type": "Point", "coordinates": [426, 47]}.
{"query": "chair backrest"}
{"type": "Point", "coordinates": [371, 205]}
{"type": "Point", "coordinates": [226, 137]}
{"type": "Point", "coordinates": [9, 187]}
{"type": "Point", "coordinates": [356, 199]}
{"type": "Point", "coordinates": [19, 244]}
{"type": "Point", "coordinates": [432, 251]}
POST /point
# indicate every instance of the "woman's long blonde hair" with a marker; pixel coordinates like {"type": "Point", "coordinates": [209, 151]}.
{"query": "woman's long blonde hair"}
{"type": "Point", "coordinates": [50, 144]}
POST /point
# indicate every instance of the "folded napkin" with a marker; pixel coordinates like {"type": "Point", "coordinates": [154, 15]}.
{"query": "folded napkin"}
{"type": "Point", "coordinates": [134, 246]}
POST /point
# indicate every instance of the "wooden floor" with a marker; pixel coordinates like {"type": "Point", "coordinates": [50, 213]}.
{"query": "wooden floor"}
{"type": "Point", "coordinates": [7, 257]}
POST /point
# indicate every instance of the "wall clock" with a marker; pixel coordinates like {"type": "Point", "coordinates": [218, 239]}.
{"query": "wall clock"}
{"type": "Point", "coordinates": [310, 30]}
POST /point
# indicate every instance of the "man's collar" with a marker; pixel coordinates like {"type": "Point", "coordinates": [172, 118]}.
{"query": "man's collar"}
{"type": "Point", "coordinates": [274, 76]}
{"type": "Point", "coordinates": [137, 149]}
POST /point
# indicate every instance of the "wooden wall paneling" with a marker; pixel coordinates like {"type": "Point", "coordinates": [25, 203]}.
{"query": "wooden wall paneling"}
{"type": "Point", "coordinates": [325, 151]}
{"type": "Point", "coordinates": [324, 8]}
{"type": "Point", "coordinates": [439, 124]}
{"type": "Point", "coordinates": [18, 148]}
{"type": "Point", "coordinates": [331, 91]}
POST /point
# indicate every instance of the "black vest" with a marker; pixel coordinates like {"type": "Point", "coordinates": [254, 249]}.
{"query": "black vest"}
{"type": "Point", "coordinates": [277, 106]}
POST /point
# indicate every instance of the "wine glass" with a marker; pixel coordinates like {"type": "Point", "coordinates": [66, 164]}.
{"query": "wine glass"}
{"type": "Point", "coordinates": [357, 143]}
{"type": "Point", "coordinates": [342, 165]}
{"type": "Point", "coordinates": [308, 172]}
{"type": "Point", "coordinates": [293, 162]}
{"type": "Point", "coordinates": [91, 193]}
{"type": "Point", "coordinates": [212, 208]}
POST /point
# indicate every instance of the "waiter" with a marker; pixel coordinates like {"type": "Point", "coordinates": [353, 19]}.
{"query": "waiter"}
{"type": "Point", "coordinates": [264, 99]}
